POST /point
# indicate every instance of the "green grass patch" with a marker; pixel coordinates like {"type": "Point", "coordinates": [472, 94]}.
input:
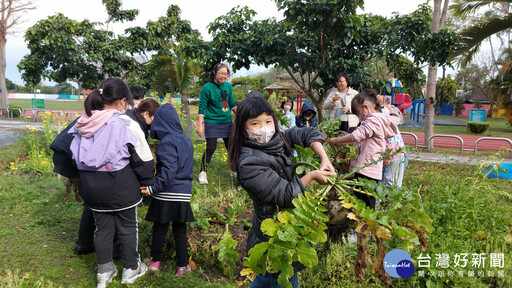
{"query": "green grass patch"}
{"type": "Point", "coordinates": [38, 230]}
{"type": "Point", "coordinates": [50, 104]}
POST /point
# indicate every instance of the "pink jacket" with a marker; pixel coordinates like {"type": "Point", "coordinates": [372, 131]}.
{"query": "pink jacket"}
{"type": "Point", "coordinates": [370, 138]}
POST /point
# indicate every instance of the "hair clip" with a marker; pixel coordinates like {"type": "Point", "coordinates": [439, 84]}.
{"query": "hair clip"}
{"type": "Point", "coordinates": [101, 91]}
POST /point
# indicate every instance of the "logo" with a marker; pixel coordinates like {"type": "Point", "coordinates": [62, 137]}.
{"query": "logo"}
{"type": "Point", "coordinates": [398, 264]}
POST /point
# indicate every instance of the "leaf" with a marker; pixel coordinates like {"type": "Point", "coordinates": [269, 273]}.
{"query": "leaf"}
{"type": "Point", "coordinates": [307, 254]}
{"type": "Point", "coordinates": [246, 272]}
{"type": "Point", "coordinates": [269, 227]}
{"type": "Point", "coordinates": [284, 217]}
{"type": "Point", "coordinates": [257, 260]}
{"type": "Point", "coordinates": [352, 216]}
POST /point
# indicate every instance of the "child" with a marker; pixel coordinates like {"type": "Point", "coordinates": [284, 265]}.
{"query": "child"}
{"type": "Point", "coordinates": [172, 189]}
{"type": "Point", "coordinates": [393, 169]}
{"type": "Point", "coordinates": [287, 107]}
{"type": "Point", "coordinates": [113, 161]}
{"type": "Point", "coordinates": [370, 138]}
{"type": "Point", "coordinates": [307, 117]}
{"type": "Point", "coordinates": [259, 153]}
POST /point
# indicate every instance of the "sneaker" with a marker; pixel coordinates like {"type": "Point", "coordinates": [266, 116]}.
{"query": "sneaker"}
{"type": "Point", "coordinates": [104, 278]}
{"type": "Point", "coordinates": [202, 178]}
{"type": "Point", "coordinates": [130, 275]}
{"type": "Point", "coordinates": [182, 270]}
{"type": "Point", "coordinates": [154, 266]}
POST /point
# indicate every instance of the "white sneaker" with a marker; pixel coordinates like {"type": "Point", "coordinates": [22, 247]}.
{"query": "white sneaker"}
{"type": "Point", "coordinates": [130, 275]}
{"type": "Point", "coordinates": [105, 278]}
{"type": "Point", "coordinates": [202, 178]}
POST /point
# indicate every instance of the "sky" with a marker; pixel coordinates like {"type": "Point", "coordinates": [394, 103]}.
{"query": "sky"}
{"type": "Point", "coordinates": [199, 12]}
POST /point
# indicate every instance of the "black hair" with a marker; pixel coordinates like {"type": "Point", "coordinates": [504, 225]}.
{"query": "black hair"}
{"type": "Point", "coordinates": [369, 95]}
{"type": "Point", "coordinates": [215, 69]}
{"type": "Point", "coordinates": [251, 107]}
{"type": "Point", "coordinates": [147, 105]}
{"type": "Point", "coordinates": [344, 75]}
{"type": "Point", "coordinates": [137, 92]}
{"type": "Point", "coordinates": [110, 90]}
{"type": "Point", "coordinates": [288, 98]}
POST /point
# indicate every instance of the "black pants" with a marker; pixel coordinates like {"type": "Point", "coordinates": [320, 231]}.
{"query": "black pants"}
{"type": "Point", "coordinates": [211, 146]}
{"type": "Point", "coordinates": [368, 200]}
{"type": "Point", "coordinates": [124, 224]}
{"type": "Point", "coordinates": [179, 231]}
{"type": "Point", "coordinates": [86, 229]}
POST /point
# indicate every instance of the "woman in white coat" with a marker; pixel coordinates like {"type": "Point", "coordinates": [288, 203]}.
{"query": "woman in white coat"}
{"type": "Point", "coordinates": [338, 102]}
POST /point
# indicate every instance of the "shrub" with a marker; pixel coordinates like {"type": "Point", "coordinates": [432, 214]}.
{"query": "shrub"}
{"type": "Point", "coordinates": [14, 112]}
{"type": "Point", "coordinates": [477, 127]}
{"type": "Point", "coordinates": [459, 106]}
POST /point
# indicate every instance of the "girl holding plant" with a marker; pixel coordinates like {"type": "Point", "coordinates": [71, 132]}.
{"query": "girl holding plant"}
{"type": "Point", "coordinates": [260, 155]}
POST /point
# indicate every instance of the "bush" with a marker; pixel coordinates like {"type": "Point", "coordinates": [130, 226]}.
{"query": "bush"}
{"type": "Point", "coordinates": [477, 128]}
{"type": "Point", "coordinates": [459, 106]}
{"type": "Point", "coordinates": [14, 112]}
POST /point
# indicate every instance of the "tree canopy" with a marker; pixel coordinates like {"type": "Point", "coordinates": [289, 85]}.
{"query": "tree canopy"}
{"type": "Point", "coordinates": [316, 41]}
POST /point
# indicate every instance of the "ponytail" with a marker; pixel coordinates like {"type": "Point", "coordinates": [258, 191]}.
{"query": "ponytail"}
{"type": "Point", "coordinates": [93, 102]}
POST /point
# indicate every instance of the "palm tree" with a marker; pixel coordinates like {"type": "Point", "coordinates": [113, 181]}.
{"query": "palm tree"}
{"type": "Point", "coordinates": [176, 73]}
{"type": "Point", "coordinates": [482, 28]}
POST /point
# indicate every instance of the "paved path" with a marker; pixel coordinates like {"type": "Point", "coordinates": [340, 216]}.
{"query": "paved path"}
{"type": "Point", "coordinates": [11, 130]}
{"type": "Point", "coordinates": [469, 142]}
{"type": "Point", "coordinates": [444, 158]}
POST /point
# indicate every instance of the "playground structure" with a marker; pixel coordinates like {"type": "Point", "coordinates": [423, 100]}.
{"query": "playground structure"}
{"type": "Point", "coordinates": [401, 100]}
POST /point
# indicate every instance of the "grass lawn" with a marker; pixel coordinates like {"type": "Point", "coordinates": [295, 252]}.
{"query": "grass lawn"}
{"type": "Point", "coordinates": [498, 127]}
{"type": "Point", "coordinates": [50, 104]}
{"type": "Point", "coordinates": [38, 229]}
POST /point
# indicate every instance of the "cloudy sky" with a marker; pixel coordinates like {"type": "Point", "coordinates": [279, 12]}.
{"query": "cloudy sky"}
{"type": "Point", "coordinates": [199, 12]}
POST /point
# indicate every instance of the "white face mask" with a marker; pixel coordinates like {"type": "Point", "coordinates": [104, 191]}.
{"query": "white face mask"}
{"type": "Point", "coordinates": [287, 108]}
{"type": "Point", "coordinates": [262, 135]}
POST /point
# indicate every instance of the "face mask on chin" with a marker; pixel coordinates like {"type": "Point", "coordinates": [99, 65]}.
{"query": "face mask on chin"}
{"type": "Point", "coordinates": [262, 135]}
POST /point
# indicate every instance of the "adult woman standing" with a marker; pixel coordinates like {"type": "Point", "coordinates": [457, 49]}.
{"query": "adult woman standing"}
{"type": "Point", "coordinates": [338, 103]}
{"type": "Point", "coordinates": [215, 105]}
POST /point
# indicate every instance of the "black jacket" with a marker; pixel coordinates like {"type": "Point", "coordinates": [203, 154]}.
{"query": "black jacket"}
{"type": "Point", "coordinates": [137, 117]}
{"type": "Point", "coordinates": [266, 173]}
{"type": "Point", "coordinates": [63, 162]}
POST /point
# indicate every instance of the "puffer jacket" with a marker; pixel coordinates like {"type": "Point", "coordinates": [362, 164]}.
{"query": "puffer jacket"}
{"type": "Point", "coordinates": [266, 173]}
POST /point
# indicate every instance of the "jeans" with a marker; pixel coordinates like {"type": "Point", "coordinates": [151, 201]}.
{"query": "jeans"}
{"type": "Point", "coordinates": [394, 173]}
{"type": "Point", "coordinates": [269, 281]}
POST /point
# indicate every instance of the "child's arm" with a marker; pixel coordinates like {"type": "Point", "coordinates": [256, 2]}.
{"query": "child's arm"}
{"type": "Point", "coordinates": [324, 159]}
{"type": "Point", "coordinates": [338, 141]}
{"type": "Point", "coordinates": [167, 156]}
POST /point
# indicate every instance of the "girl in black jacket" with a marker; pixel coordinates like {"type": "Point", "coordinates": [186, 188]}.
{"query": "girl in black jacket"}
{"type": "Point", "coordinates": [259, 153]}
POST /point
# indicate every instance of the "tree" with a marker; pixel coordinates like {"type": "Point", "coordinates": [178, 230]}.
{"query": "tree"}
{"type": "Point", "coordinates": [494, 23]}
{"type": "Point", "coordinates": [176, 73]}
{"type": "Point", "coordinates": [316, 41]}
{"type": "Point", "coordinates": [438, 20]}
{"type": "Point", "coordinates": [10, 16]}
{"type": "Point", "coordinates": [62, 49]}
{"type": "Point", "coordinates": [447, 93]}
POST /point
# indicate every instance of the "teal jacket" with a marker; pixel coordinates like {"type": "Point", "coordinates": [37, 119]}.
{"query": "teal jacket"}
{"type": "Point", "coordinates": [216, 102]}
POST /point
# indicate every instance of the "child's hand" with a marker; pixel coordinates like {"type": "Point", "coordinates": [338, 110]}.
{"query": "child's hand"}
{"type": "Point", "coordinates": [320, 176]}
{"type": "Point", "coordinates": [331, 141]}
{"type": "Point", "coordinates": [144, 191]}
{"type": "Point", "coordinates": [386, 162]}
{"type": "Point", "coordinates": [327, 166]}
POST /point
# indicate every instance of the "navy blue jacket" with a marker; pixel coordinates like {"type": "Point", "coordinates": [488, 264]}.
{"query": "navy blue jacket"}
{"type": "Point", "coordinates": [300, 121]}
{"type": "Point", "coordinates": [175, 157]}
